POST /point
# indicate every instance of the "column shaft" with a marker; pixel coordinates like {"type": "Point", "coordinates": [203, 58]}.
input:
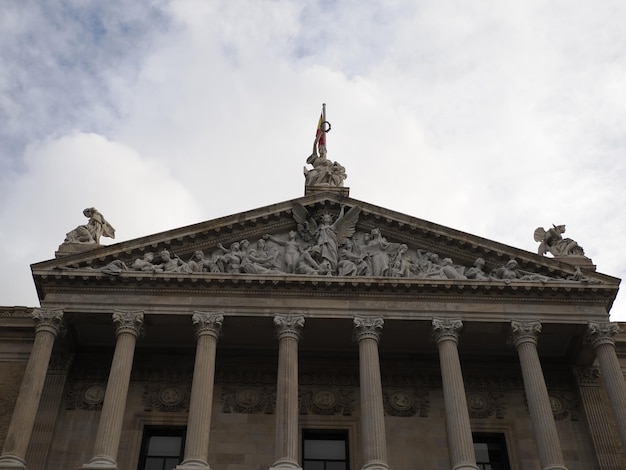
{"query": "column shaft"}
{"type": "Point", "coordinates": [114, 406]}
{"type": "Point", "coordinates": [289, 328]}
{"type": "Point", "coordinates": [458, 429]}
{"type": "Point", "coordinates": [546, 436]}
{"type": "Point", "coordinates": [601, 336]}
{"type": "Point", "coordinates": [49, 324]}
{"type": "Point", "coordinates": [374, 444]}
{"type": "Point", "coordinates": [208, 326]}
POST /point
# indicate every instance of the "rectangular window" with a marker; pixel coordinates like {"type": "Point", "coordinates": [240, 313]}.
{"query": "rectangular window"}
{"type": "Point", "coordinates": [490, 450]}
{"type": "Point", "coordinates": [162, 448]}
{"type": "Point", "coordinates": [324, 449]}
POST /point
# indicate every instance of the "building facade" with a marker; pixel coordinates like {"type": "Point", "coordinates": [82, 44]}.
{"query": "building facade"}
{"type": "Point", "coordinates": [318, 333]}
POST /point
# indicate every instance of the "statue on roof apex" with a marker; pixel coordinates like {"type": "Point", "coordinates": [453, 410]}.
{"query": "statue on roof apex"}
{"type": "Point", "coordinates": [324, 172]}
{"type": "Point", "coordinates": [552, 241]}
{"type": "Point", "coordinates": [91, 232]}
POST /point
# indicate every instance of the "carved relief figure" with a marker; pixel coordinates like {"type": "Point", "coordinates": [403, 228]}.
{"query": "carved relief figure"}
{"type": "Point", "coordinates": [92, 231]}
{"type": "Point", "coordinates": [259, 261]}
{"type": "Point", "coordinates": [377, 254]}
{"type": "Point", "coordinates": [401, 265]}
{"type": "Point", "coordinates": [351, 264]}
{"type": "Point", "coordinates": [199, 263]}
{"type": "Point", "coordinates": [476, 271]}
{"type": "Point", "coordinates": [292, 250]}
{"type": "Point", "coordinates": [552, 241]}
{"type": "Point", "coordinates": [230, 261]}
{"type": "Point", "coordinates": [173, 264]}
{"type": "Point", "coordinates": [328, 235]}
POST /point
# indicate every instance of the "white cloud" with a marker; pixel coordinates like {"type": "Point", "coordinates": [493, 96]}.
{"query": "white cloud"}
{"type": "Point", "coordinates": [492, 118]}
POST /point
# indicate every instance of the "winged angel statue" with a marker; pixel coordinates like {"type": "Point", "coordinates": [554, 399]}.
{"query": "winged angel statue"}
{"type": "Point", "coordinates": [326, 237]}
{"type": "Point", "coordinates": [552, 241]}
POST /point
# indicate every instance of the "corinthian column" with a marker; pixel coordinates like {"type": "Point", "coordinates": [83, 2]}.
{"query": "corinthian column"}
{"type": "Point", "coordinates": [48, 324]}
{"type": "Point", "coordinates": [288, 330]}
{"type": "Point", "coordinates": [525, 336]}
{"type": "Point", "coordinates": [460, 444]}
{"type": "Point", "coordinates": [129, 325]}
{"type": "Point", "coordinates": [601, 336]}
{"type": "Point", "coordinates": [208, 326]}
{"type": "Point", "coordinates": [367, 331]}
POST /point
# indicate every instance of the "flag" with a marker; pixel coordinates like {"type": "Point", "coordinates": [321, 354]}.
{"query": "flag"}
{"type": "Point", "coordinates": [322, 137]}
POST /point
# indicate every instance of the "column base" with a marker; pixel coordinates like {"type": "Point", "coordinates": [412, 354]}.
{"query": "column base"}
{"type": "Point", "coordinates": [375, 465]}
{"type": "Point", "coordinates": [11, 462]}
{"type": "Point", "coordinates": [100, 463]}
{"type": "Point", "coordinates": [193, 464]}
{"type": "Point", "coordinates": [465, 466]}
{"type": "Point", "coordinates": [286, 464]}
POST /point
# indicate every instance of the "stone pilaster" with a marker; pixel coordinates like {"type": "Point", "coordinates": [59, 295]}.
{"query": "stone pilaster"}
{"type": "Point", "coordinates": [367, 331]}
{"type": "Point", "coordinates": [129, 326]}
{"type": "Point", "coordinates": [601, 337]}
{"type": "Point", "coordinates": [446, 333]}
{"type": "Point", "coordinates": [525, 336]}
{"type": "Point", "coordinates": [48, 325]}
{"type": "Point", "coordinates": [601, 428]}
{"type": "Point", "coordinates": [208, 326]}
{"type": "Point", "coordinates": [288, 330]}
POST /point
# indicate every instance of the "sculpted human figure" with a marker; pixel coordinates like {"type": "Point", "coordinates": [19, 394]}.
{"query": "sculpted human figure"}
{"type": "Point", "coordinates": [324, 172]}
{"type": "Point", "coordinates": [377, 255]}
{"type": "Point", "coordinates": [292, 250]}
{"type": "Point", "coordinates": [259, 260]}
{"type": "Point", "coordinates": [401, 265]}
{"type": "Point", "coordinates": [173, 264]}
{"type": "Point", "coordinates": [476, 271]}
{"type": "Point", "coordinates": [444, 269]}
{"type": "Point", "coordinates": [308, 265]}
{"type": "Point", "coordinates": [328, 235]}
{"type": "Point", "coordinates": [552, 241]}
{"type": "Point", "coordinates": [506, 272]}
{"type": "Point", "coordinates": [146, 264]}
{"type": "Point", "coordinates": [350, 263]}
{"type": "Point", "coordinates": [92, 231]}
{"type": "Point", "coordinates": [230, 261]}
{"type": "Point", "coordinates": [200, 263]}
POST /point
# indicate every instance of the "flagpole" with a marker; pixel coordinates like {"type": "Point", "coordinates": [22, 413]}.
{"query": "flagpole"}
{"type": "Point", "coordinates": [323, 121]}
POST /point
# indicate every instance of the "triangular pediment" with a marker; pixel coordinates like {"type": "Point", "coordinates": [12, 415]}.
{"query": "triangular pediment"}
{"type": "Point", "coordinates": [323, 235]}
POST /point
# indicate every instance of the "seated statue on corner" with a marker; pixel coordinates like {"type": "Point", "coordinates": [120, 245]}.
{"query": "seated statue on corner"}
{"type": "Point", "coordinates": [324, 172]}
{"type": "Point", "coordinates": [92, 231]}
{"type": "Point", "coordinates": [553, 242]}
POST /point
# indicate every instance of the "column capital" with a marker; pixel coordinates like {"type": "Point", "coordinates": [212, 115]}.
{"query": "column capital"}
{"type": "Point", "coordinates": [289, 326]}
{"type": "Point", "coordinates": [368, 327]}
{"type": "Point", "coordinates": [208, 323]}
{"type": "Point", "coordinates": [602, 333]}
{"type": "Point", "coordinates": [587, 376]}
{"type": "Point", "coordinates": [48, 320]}
{"type": "Point", "coordinates": [128, 322]}
{"type": "Point", "coordinates": [525, 331]}
{"type": "Point", "coordinates": [447, 329]}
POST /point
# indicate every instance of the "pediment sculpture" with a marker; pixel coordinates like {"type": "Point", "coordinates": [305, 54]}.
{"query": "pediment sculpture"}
{"type": "Point", "coordinates": [327, 245]}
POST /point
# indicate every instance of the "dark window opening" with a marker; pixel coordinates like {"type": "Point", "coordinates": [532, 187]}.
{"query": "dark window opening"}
{"type": "Point", "coordinates": [324, 449]}
{"type": "Point", "coordinates": [490, 450]}
{"type": "Point", "coordinates": [162, 448]}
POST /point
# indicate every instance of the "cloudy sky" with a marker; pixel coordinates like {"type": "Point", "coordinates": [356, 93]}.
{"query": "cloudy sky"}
{"type": "Point", "coordinates": [493, 117]}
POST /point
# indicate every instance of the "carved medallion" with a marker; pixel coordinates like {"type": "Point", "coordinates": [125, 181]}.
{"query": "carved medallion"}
{"type": "Point", "coordinates": [406, 402]}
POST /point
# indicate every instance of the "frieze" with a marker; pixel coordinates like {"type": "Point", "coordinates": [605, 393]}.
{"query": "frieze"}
{"type": "Point", "coordinates": [329, 244]}
{"type": "Point", "coordinates": [249, 400]}
{"type": "Point", "coordinates": [483, 404]}
{"type": "Point", "coordinates": [84, 396]}
{"type": "Point", "coordinates": [406, 402]}
{"type": "Point", "coordinates": [167, 398]}
{"type": "Point", "coordinates": [327, 401]}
